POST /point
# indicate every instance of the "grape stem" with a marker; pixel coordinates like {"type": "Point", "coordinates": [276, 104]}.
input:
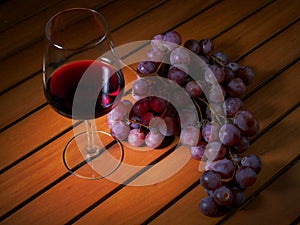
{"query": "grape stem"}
{"type": "Point", "coordinates": [217, 61]}
{"type": "Point", "coordinates": [211, 109]}
{"type": "Point", "coordinates": [231, 158]}
{"type": "Point", "coordinates": [140, 124]}
{"type": "Point", "coordinates": [199, 110]}
{"type": "Point", "coordinates": [160, 64]}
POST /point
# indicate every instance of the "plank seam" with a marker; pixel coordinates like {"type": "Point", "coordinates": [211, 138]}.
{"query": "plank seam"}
{"type": "Point", "coordinates": [268, 39]}
{"type": "Point", "coordinates": [7, 27]}
{"type": "Point", "coordinates": [36, 12]}
{"type": "Point", "coordinates": [261, 188]}
{"type": "Point", "coordinates": [63, 175]}
{"type": "Point", "coordinates": [182, 194]}
{"type": "Point", "coordinates": [243, 19]}
{"type": "Point", "coordinates": [37, 39]}
{"type": "Point", "coordinates": [114, 29]}
{"type": "Point", "coordinates": [296, 221]}
{"type": "Point", "coordinates": [269, 79]}
{"type": "Point", "coordinates": [119, 187]}
{"type": "Point", "coordinates": [36, 149]}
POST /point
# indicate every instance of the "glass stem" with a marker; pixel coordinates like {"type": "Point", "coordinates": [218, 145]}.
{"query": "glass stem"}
{"type": "Point", "coordinates": [91, 148]}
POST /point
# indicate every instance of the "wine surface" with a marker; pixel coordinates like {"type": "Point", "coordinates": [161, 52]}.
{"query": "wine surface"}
{"type": "Point", "coordinates": [84, 89]}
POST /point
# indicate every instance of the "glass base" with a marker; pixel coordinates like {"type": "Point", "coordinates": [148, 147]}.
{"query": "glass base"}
{"type": "Point", "coordinates": [105, 158]}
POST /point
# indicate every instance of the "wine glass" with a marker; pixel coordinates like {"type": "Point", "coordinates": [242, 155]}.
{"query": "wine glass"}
{"type": "Point", "coordinates": [83, 80]}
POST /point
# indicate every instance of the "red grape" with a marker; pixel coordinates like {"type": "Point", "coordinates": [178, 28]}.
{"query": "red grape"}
{"type": "Point", "coordinates": [179, 56]}
{"type": "Point", "coordinates": [238, 198]}
{"type": "Point", "coordinates": [136, 137]}
{"type": "Point", "coordinates": [210, 131]}
{"type": "Point", "coordinates": [153, 139]}
{"type": "Point", "coordinates": [245, 176]}
{"type": "Point", "coordinates": [232, 106]}
{"type": "Point", "coordinates": [173, 39]}
{"type": "Point", "coordinates": [224, 167]}
{"type": "Point", "coordinates": [206, 46]}
{"type": "Point", "coordinates": [172, 126]}
{"type": "Point", "coordinates": [233, 66]}
{"type": "Point", "coordinates": [140, 87]}
{"type": "Point", "coordinates": [197, 151]}
{"type": "Point", "coordinates": [157, 104]}
{"type": "Point", "coordinates": [119, 130]}
{"type": "Point", "coordinates": [242, 146]}
{"type": "Point", "coordinates": [210, 180]}
{"type": "Point", "coordinates": [214, 151]}
{"type": "Point", "coordinates": [192, 45]}
{"type": "Point", "coordinates": [155, 55]}
{"type": "Point", "coordinates": [157, 43]}
{"type": "Point", "coordinates": [252, 161]}
{"type": "Point", "coordinates": [246, 122]}
{"type": "Point", "coordinates": [208, 206]}
{"type": "Point", "coordinates": [190, 135]}
{"type": "Point", "coordinates": [193, 89]}
{"type": "Point", "coordinates": [236, 87]}
{"type": "Point", "coordinates": [216, 73]}
{"type": "Point", "coordinates": [177, 75]}
{"type": "Point", "coordinates": [141, 107]}
{"type": "Point", "coordinates": [229, 135]}
{"type": "Point", "coordinates": [146, 67]}
{"type": "Point", "coordinates": [246, 74]}
{"type": "Point", "coordinates": [146, 117]}
{"type": "Point", "coordinates": [223, 196]}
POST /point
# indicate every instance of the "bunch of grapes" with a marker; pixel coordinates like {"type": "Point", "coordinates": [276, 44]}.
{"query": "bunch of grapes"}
{"type": "Point", "coordinates": [151, 121]}
{"type": "Point", "coordinates": [216, 127]}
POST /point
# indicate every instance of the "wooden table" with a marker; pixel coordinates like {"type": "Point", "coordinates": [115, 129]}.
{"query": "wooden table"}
{"type": "Point", "coordinates": [37, 189]}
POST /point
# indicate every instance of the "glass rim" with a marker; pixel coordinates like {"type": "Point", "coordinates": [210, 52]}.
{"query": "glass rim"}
{"type": "Point", "coordinates": [93, 12]}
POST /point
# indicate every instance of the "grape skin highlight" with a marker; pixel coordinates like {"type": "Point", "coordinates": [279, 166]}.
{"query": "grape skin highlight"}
{"type": "Point", "coordinates": [217, 131]}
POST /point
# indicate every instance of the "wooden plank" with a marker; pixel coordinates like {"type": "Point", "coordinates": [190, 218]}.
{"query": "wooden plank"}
{"type": "Point", "coordinates": [20, 136]}
{"type": "Point", "coordinates": [35, 87]}
{"type": "Point", "coordinates": [32, 89]}
{"type": "Point", "coordinates": [136, 194]}
{"type": "Point", "coordinates": [257, 23]}
{"type": "Point", "coordinates": [265, 103]}
{"type": "Point", "coordinates": [265, 53]}
{"type": "Point", "coordinates": [13, 11]}
{"type": "Point", "coordinates": [21, 100]}
{"type": "Point", "coordinates": [209, 24]}
{"type": "Point", "coordinates": [274, 156]}
{"type": "Point", "coordinates": [29, 35]}
{"type": "Point", "coordinates": [32, 29]}
{"type": "Point", "coordinates": [23, 134]}
{"type": "Point", "coordinates": [85, 192]}
{"type": "Point", "coordinates": [262, 73]}
{"type": "Point", "coordinates": [22, 105]}
{"type": "Point", "coordinates": [282, 195]}
{"type": "Point", "coordinates": [42, 160]}
{"type": "Point", "coordinates": [139, 212]}
{"type": "Point", "coordinates": [62, 193]}
{"type": "Point", "coordinates": [72, 194]}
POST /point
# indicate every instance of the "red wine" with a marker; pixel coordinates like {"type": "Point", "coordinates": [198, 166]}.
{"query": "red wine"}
{"type": "Point", "coordinates": [74, 88]}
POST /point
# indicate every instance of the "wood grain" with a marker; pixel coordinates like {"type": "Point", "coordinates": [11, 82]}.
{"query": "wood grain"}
{"type": "Point", "coordinates": [137, 194]}
{"type": "Point", "coordinates": [30, 44]}
{"type": "Point", "coordinates": [264, 72]}
{"type": "Point", "coordinates": [35, 187]}
{"type": "Point", "coordinates": [284, 193]}
{"type": "Point", "coordinates": [273, 157]}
